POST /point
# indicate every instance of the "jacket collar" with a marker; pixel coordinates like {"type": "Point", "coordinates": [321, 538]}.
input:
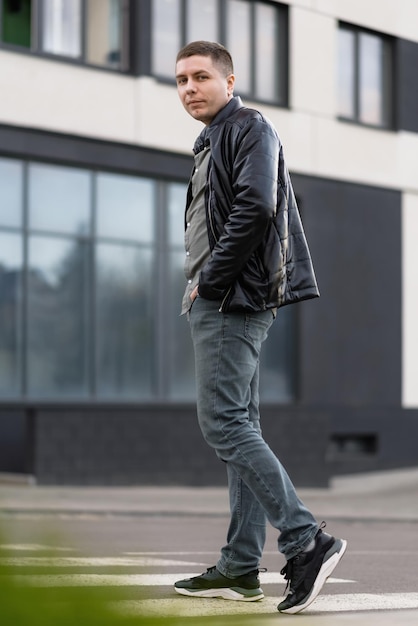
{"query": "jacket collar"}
{"type": "Point", "coordinates": [233, 105]}
{"type": "Point", "coordinates": [203, 139]}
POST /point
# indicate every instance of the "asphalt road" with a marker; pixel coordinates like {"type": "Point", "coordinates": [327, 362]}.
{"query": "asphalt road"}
{"type": "Point", "coordinates": [375, 583]}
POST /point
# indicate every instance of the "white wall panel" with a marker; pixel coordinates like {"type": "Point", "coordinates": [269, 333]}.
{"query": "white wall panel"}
{"type": "Point", "coordinates": [65, 98]}
{"type": "Point", "coordinates": [162, 121]}
{"type": "Point", "coordinates": [312, 62]}
{"type": "Point", "coordinates": [410, 301]}
{"type": "Point", "coordinates": [349, 152]}
{"type": "Point", "coordinates": [394, 17]}
{"type": "Point", "coordinates": [76, 100]}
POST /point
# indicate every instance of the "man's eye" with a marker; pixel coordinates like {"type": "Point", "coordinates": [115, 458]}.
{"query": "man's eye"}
{"type": "Point", "coordinates": [202, 77]}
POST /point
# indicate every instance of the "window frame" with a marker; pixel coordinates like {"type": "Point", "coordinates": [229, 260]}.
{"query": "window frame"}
{"type": "Point", "coordinates": [388, 106]}
{"type": "Point", "coordinates": [282, 72]}
{"type": "Point", "coordinates": [37, 38]}
{"type": "Point", "coordinates": [162, 382]}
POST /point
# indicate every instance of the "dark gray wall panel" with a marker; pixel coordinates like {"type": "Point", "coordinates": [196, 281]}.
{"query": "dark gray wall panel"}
{"type": "Point", "coordinates": [350, 342]}
{"type": "Point", "coordinates": [405, 91]}
{"type": "Point", "coordinates": [14, 442]}
{"type": "Point", "coordinates": [86, 152]}
{"type": "Point", "coordinates": [163, 446]}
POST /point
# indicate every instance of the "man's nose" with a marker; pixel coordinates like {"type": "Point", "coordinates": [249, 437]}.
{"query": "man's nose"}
{"type": "Point", "coordinates": [190, 87]}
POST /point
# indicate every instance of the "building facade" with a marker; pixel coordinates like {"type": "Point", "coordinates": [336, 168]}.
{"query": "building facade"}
{"type": "Point", "coordinates": [96, 365]}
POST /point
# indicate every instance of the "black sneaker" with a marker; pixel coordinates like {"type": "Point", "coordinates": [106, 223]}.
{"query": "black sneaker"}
{"type": "Point", "coordinates": [307, 572]}
{"type": "Point", "coordinates": [212, 584]}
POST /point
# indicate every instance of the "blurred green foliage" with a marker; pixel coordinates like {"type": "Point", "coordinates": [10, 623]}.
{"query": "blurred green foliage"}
{"type": "Point", "coordinates": [24, 604]}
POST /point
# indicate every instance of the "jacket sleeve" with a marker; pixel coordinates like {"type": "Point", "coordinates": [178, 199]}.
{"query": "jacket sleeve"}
{"type": "Point", "coordinates": [254, 198]}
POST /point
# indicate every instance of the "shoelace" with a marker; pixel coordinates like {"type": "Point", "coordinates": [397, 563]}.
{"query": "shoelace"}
{"type": "Point", "coordinates": [213, 568]}
{"type": "Point", "coordinates": [287, 573]}
{"type": "Point", "coordinates": [290, 571]}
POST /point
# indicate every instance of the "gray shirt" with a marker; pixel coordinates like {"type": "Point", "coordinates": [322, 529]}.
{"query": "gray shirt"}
{"type": "Point", "coordinates": [196, 236]}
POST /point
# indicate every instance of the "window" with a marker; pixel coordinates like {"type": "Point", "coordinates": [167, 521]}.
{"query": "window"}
{"type": "Point", "coordinates": [364, 77]}
{"type": "Point", "coordinates": [16, 20]}
{"type": "Point", "coordinates": [89, 31]}
{"type": "Point", "coordinates": [125, 262]}
{"type": "Point", "coordinates": [62, 27]}
{"type": "Point", "coordinates": [254, 32]}
{"type": "Point", "coordinates": [91, 282]}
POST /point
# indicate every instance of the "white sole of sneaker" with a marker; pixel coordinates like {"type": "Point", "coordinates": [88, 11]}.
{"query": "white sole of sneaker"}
{"type": "Point", "coordinates": [225, 593]}
{"type": "Point", "coordinates": [325, 572]}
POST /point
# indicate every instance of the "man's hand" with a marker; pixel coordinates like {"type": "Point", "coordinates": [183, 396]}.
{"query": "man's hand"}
{"type": "Point", "coordinates": [194, 293]}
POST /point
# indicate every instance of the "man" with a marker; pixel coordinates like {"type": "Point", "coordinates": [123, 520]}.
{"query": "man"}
{"type": "Point", "coordinates": [246, 255]}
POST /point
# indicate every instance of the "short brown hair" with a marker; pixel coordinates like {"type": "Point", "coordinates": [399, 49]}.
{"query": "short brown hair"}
{"type": "Point", "coordinates": [218, 53]}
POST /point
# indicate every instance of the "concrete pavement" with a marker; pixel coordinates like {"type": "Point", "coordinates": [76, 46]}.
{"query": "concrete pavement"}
{"type": "Point", "coordinates": [383, 496]}
{"type": "Point", "coordinates": [374, 496]}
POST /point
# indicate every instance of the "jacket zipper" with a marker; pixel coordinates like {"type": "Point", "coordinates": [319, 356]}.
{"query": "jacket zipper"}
{"type": "Point", "coordinates": [215, 239]}
{"type": "Point", "coordinates": [224, 300]}
{"type": "Point", "coordinates": [210, 212]}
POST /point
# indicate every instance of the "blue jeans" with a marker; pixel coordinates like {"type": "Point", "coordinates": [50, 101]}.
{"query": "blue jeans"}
{"type": "Point", "coordinates": [227, 350]}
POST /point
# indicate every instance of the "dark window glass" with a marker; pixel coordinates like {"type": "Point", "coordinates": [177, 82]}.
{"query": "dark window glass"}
{"type": "Point", "coordinates": [364, 77]}
{"type": "Point", "coordinates": [57, 317]}
{"type": "Point", "coordinates": [59, 199]}
{"type": "Point", "coordinates": [16, 22]}
{"type": "Point", "coordinates": [11, 192]}
{"type": "Point", "coordinates": [11, 266]}
{"type": "Point", "coordinates": [125, 322]}
{"type": "Point", "coordinates": [180, 350]}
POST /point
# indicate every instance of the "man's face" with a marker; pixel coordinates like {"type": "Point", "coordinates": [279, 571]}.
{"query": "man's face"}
{"type": "Point", "coordinates": [202, 87]}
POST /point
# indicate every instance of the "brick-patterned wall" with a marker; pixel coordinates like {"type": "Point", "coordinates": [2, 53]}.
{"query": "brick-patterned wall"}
{"type": "Point", "coordinates": [153, 446]}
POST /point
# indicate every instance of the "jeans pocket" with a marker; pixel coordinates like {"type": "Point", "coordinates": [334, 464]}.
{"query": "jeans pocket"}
{"type": "Point", "coordinates": [256, 325]}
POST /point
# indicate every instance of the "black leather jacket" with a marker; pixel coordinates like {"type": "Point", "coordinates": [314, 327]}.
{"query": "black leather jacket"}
{"type": "Point", "coordinates": [260, 258]}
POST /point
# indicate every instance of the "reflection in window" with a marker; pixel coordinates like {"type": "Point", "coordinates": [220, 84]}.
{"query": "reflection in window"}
{"type": "Point", "coordinates": [267, 38]}
{"type": "Point", "coordinates": [364, 76]}
{"type": "Point", "coordinates": [371, 79]}
{"type": "Point", "coordinates": [239, 42]}
{"type": "Point", "coordinates": [59, 199]}
{"type": "Point", "coordinates": [62, 27]}
{"type": "Point", "coordinates": [11, 263]}
{"type": "Point", "coordinates": [166, 40]}
{"type": "Point", "coordinates": [57, 317]}
{"type": "Point", "coordinates": [179, 347]}
{"type": "Point", "coordinates": [346, 73]}
{"type": "Point", "coordinates": [105, 32]}
{"type": "Point", "coordinates": [11, 192]}
{"type": "Point", "coordinates": [277, 364]}
{"type": "Point", "coordinates": [15, 22]}
{"type": "Point", "coordinates": [125, 207]}
{"type": "Point", "coordinates": [125, 318]}
{"type": "Point", "coordinates": [175, 209]}
{"type": "Point", "coordinates": [202, 20]}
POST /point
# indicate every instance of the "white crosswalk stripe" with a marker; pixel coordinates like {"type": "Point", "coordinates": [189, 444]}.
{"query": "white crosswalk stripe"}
{"type": "Point", "coordinates": [128, 580]}
{"type": "Point", "coordinates": [23, 567]}
{"type": "Point", "coordinates": [39, 561]}
{"type": "Point", "coordinates": [338, 603]}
